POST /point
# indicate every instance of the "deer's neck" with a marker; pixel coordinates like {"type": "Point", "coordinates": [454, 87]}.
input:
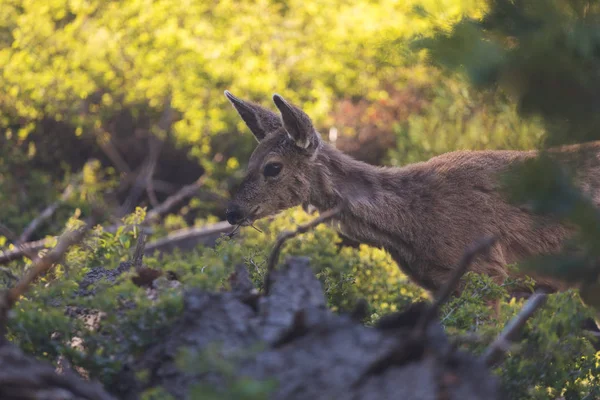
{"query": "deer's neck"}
{"type": "Point", "coordinates": [338, 179]}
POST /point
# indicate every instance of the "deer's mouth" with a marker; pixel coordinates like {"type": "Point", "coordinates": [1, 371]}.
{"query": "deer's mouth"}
{"type": "Point", "coordinates": [252, 216]}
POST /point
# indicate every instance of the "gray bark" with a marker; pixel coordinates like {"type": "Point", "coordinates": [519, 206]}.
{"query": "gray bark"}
{"type": "Point", "coordinates": [310, 352]}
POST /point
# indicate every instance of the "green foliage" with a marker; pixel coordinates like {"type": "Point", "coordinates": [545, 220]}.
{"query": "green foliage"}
{"type": "Point", "coordinates": [51, 322]}
{"type": "Point", "coordinates": [541, 52]}
{"type": "Point", "coordinates": [458, 117]}
{"type": "Point", "coordinates": [347, 274]}
{"type": "Point", "coordinates": [553, 358]}
{"type": "Point", "coordinates": [84, 62]}
{"type": "Point", "coordinates": [91, 73]}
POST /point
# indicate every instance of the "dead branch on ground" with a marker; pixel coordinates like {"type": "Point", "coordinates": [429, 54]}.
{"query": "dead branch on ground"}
{"type": "Point", "coordinates": [480, 247]}
{"type": "Point", "coordinates": [496, 351]}
{"type": "Point", "coordinates": [284, 236]}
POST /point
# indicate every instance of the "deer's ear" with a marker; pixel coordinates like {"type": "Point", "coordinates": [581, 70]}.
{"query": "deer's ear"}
{"type": "Point", "coordinates": [297, 124]}
{"type": "Point", "coordinates": [258, 119]}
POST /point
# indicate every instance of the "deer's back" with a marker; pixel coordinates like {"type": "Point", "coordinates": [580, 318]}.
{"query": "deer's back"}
{"type": "Point", "coordinates": [454, 199]}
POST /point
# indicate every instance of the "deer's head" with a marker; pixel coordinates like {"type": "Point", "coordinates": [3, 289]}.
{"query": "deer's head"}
{"type": "Point", "coordinates": [279, 170]}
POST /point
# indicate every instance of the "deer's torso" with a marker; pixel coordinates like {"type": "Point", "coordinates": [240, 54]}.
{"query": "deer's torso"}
{"type": "Point", "coordinates": [426, 214]}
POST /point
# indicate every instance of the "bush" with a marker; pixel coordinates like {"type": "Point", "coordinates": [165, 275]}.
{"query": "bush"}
{"type": "Point", "coordinates": [101, 327]}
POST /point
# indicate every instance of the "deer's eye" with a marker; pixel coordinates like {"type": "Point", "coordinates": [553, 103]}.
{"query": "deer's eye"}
{"type": "Point", "coordinates": [272, 169]}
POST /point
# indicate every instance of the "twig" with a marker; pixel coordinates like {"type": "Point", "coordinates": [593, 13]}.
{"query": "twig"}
{"type": "Point", "coordinates": [495, 352]}
{"type": "Point", "coordinates": [144, 177]}
{"type": "Point", "coordinates": [478, 248]}
{"type": "Point", "coordinates": [40, 266]}
{"type": "Point", "coordinates": [104, 140]}
{"type": "Point", "coordinates": [21, 248]}
{"type": "Point", "coordinates": [154, 147]}
{"type": "Point", "coordinates": [284, 236]}
{"type": "Point", "coordinates": [45, 214]}
{"type": "Point", "coordinates": [170, 201]}
{"type": "Point", "coordinates": [144, 180]}
{"type": "Point", "coordinates": [6, 231]}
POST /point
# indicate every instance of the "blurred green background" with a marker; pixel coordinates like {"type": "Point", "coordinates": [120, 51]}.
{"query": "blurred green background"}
{"type": "Point", "coordinates": [88, 85]}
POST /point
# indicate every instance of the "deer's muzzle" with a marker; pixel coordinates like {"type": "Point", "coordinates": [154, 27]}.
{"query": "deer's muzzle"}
{"type": "Point", "coordinates": [234, 214]}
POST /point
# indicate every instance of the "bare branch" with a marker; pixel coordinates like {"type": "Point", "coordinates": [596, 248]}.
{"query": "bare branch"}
{"type": "Point", "coordinates": [40, 266]}
{"type": "Point", "coordinates": [45, 214]}
{"type": "Point", "coordinates": [480, 247]}
{"type": "Point", "coordinates": [155, 143]}
{"type": "Point", "coordinates": [104, 140]}
{"type": "Point", "coordinates": [144, 178]}
{"type": "Point", "coordinates": [154, 147]}
{"type": "Point", "coordinates": [6, 231]}
{"type": "Point", "coordinates": [170, 202]}
{"type": "Point", "coordinates": [495, 352]}
{"type": "Point", "coordinates": [21, 248]}
{"type": "Point", "coordinates": [284, 236]}
{"type": "Point", "coordinates": [188, 236]}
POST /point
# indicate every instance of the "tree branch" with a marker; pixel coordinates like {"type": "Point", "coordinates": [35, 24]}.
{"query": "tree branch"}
{"type": "Point", "coordinates": [45, 214]}
{"type": "Point", "coordinates": [104, 140]}
{"type": "Point", "coordinates": [284, 236]}
{"type": "Point", "coordinates": [144, 177]}
{"type": "Point", "coordinates": [170, 201]}
{"type": "Point", "coordinates": [21, 248]}
{"type": "Point", "coordinates": [480, 247]}
{"type": "Point", "coordinates": [40, 266]}
{"type": "Point", "coordinates": [495, 352]}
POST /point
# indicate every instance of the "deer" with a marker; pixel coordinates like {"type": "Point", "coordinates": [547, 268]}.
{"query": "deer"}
{"type": "Point", "coordinates": [423, 214]}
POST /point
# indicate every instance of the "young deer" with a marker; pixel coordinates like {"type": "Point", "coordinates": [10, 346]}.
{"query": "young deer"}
{"type": "Point", "coordinates": [425, 214]}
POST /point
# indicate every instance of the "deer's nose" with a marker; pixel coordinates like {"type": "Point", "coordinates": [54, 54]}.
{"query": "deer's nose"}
{"type": "Point", "coordinates": [234, 214]}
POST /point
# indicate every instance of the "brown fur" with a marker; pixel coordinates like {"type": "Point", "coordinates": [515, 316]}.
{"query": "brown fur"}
{"type": "Point", "coordinates": [423, 214]}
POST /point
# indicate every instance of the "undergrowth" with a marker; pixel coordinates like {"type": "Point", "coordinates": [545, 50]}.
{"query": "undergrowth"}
{"type": "Point", "coordinates": [57, 319]}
